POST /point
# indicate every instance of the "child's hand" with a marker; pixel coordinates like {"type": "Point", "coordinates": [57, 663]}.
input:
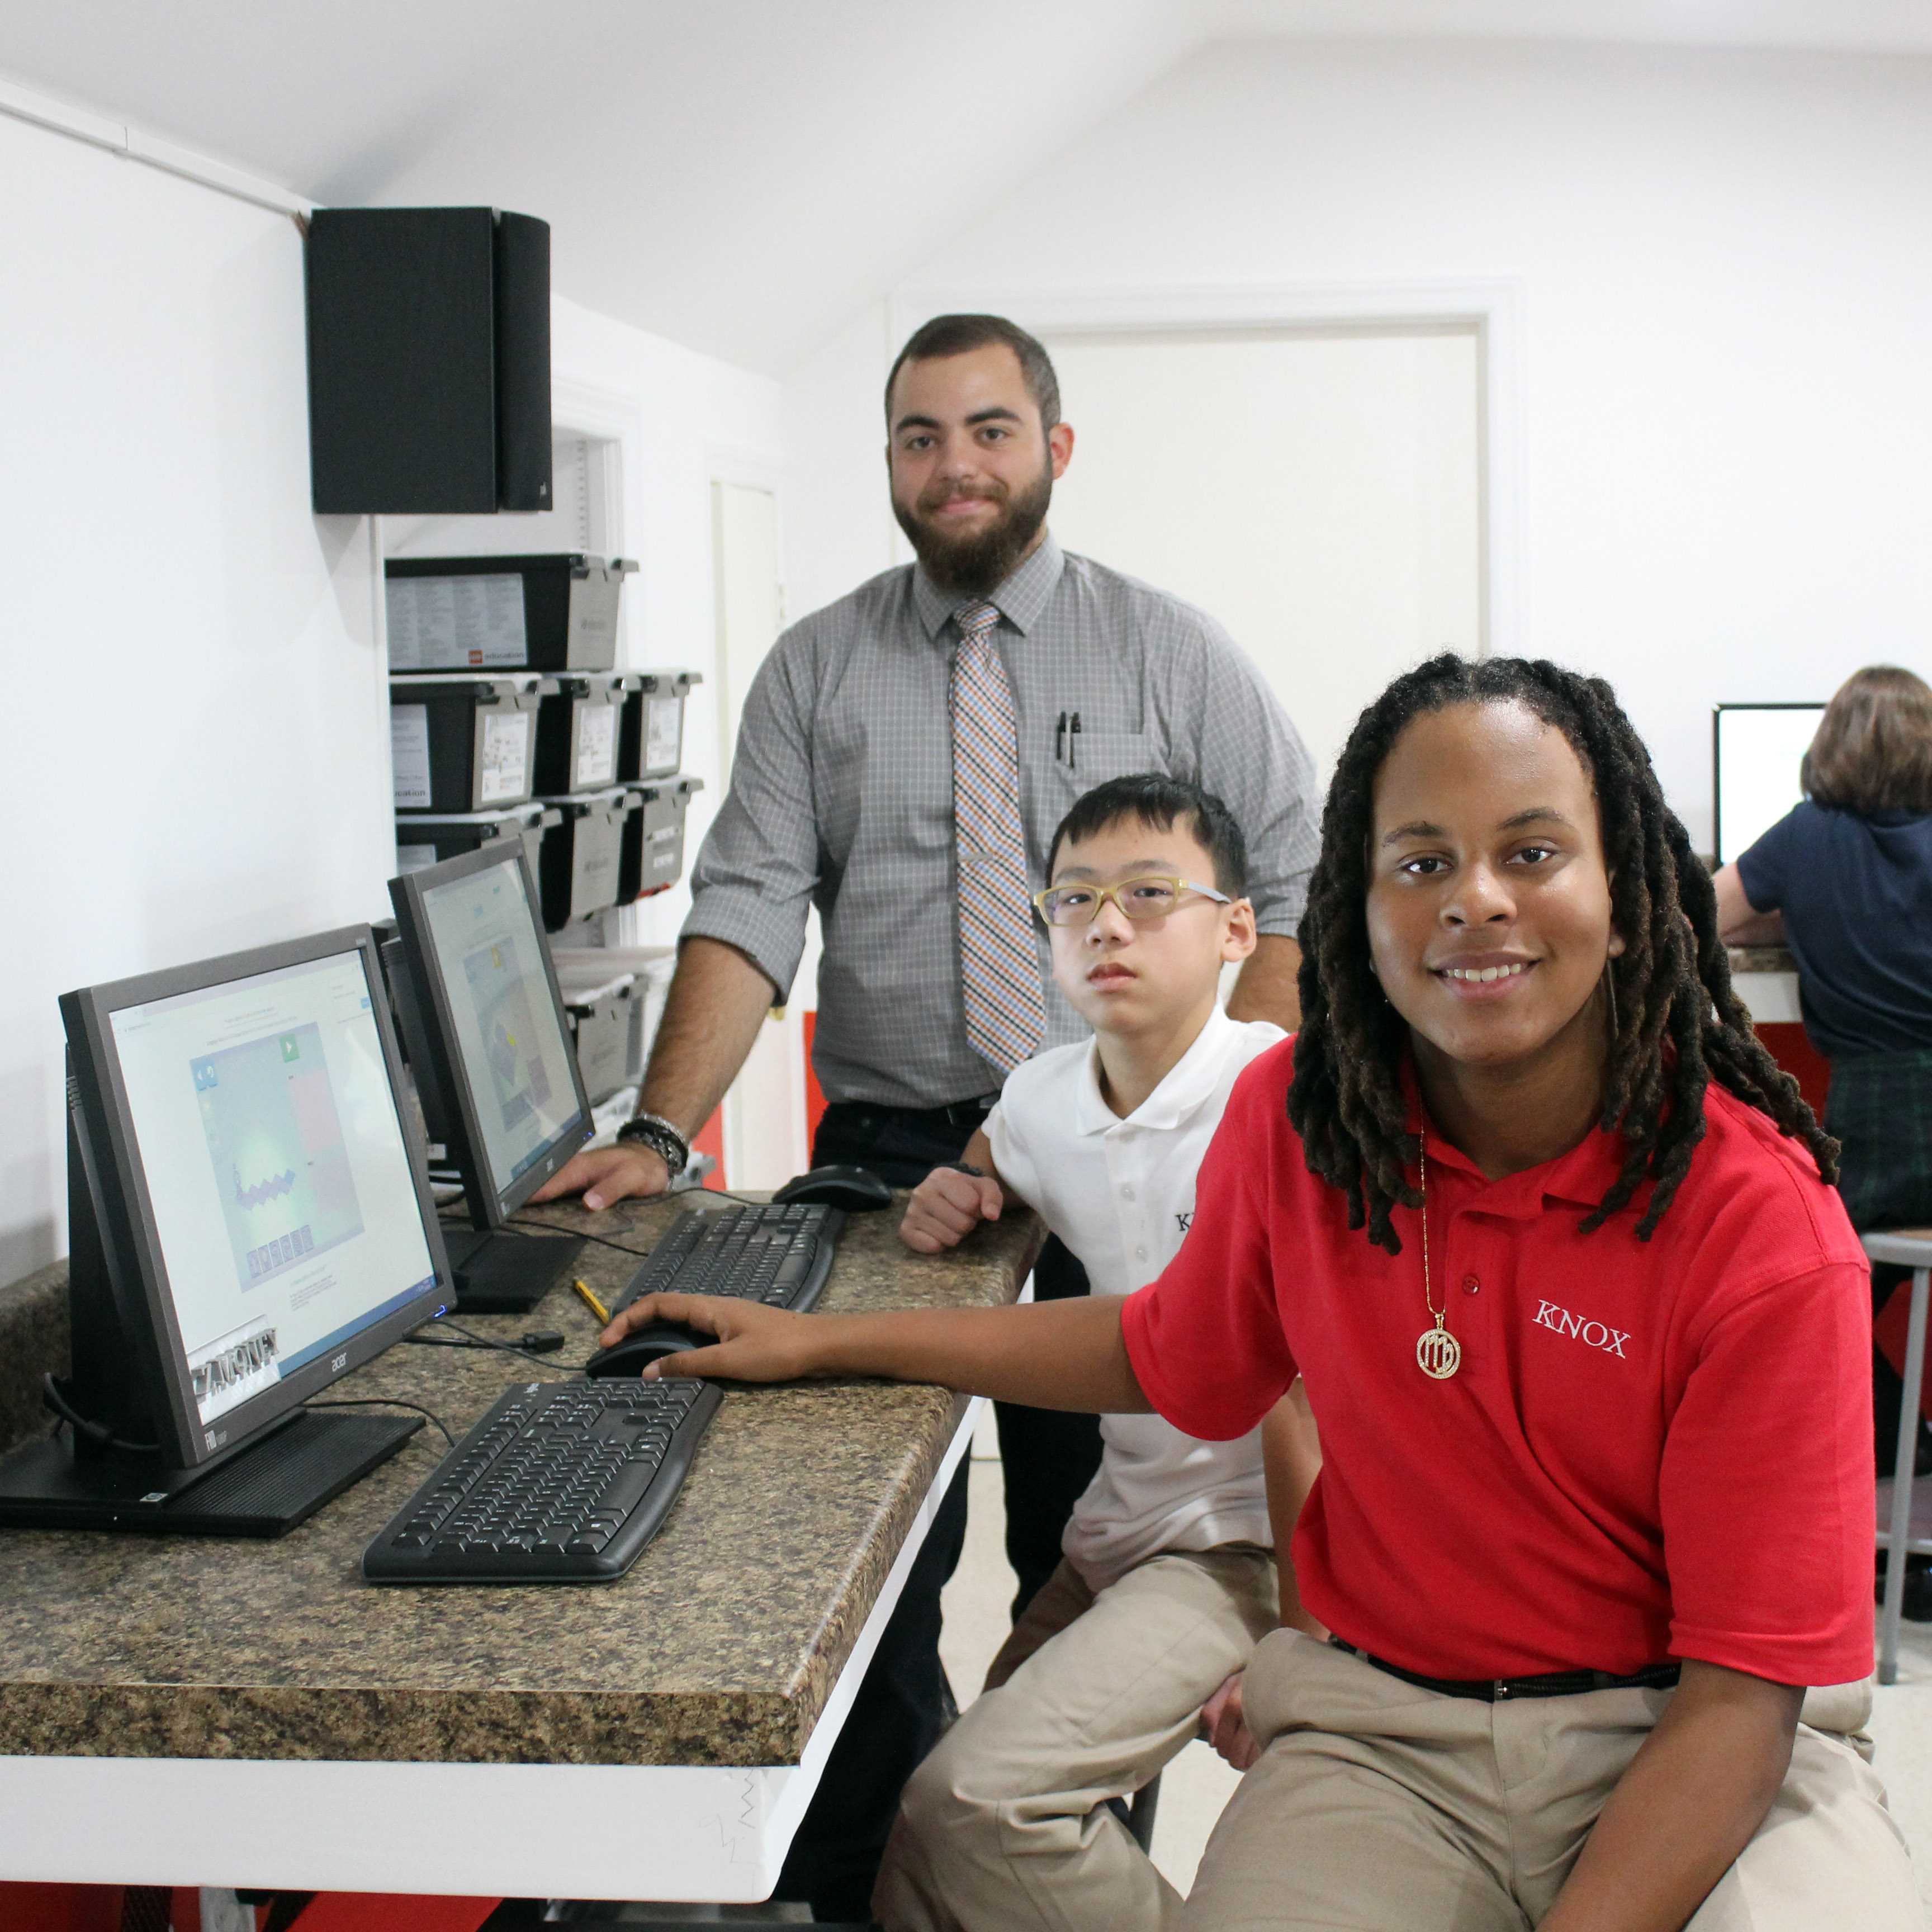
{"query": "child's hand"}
{"type": "Point", "coordinates": [1224, 1727]}
{"type": "Point", "coordinates": [945, 1207]}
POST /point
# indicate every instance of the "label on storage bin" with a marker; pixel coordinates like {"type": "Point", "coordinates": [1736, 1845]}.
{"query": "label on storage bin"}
{"type": "Point", "coordinates": [596, 744]}
{"type": "Point", "coordinates": [415, 858]}
{"type": "Point", "coordinates": [409, 755]}
{"type": "Point", "coordinates": [456, 623]}
{"type": "Point", "coordinates": [665, 728]}
{"type": "Point", "coordinates": [506, 756]}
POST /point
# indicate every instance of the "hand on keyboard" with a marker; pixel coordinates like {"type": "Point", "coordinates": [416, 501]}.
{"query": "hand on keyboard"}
{"type": "Point", "coordinates": [756, 1343]}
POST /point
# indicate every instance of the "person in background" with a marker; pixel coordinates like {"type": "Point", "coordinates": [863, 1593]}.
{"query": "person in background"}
{"type": "Point", "coordinates": [1845, 880]}
{"type": "Point", "coordinates": [1168, 1580]}
{"type": "Point", "coordinates": [904, 758]}
{"type": "Point", "coordinates": [1550, 1239]}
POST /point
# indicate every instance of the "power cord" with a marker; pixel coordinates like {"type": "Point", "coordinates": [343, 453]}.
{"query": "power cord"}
{"type": "Point", "coordinates": [536, 1341]}
{"type": "Point", "coordinates": [485, 1342]}
{"type": "Point", "coordinates": [631, 1227]}
{"type": "Point", "coordinates": [83, 1425]}
{"type": "Point", "coordinates": [385, 1402]}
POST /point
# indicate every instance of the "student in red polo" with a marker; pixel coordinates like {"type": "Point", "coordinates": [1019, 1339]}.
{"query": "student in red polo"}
{"type": "Point", "coordinates": [1586, 1335]}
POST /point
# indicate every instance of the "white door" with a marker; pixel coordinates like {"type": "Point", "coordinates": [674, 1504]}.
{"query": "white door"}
{"type": "Point", "coordinates": [764, 1111]}
{"type": "Point", "coordinates": [1321, 495]}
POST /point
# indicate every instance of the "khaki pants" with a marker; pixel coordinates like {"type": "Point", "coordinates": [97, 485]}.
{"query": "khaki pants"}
{"type": "Point", "coordinates": [1005, 1825]}
{"type": "Point", "coordinates": [1377, 1807]}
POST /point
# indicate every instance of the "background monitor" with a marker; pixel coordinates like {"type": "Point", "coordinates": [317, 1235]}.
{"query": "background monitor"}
{"type": "Point", "coordinates": [251, 1219]}
{"type": "Point", "coordinates": [1756, 750]}
{"type": "Point", "coordinates": [490, 1046]}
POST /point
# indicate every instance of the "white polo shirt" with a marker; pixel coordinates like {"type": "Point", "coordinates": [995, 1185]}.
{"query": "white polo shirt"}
{"type": "Point", "coordinates": [1119, 1193]}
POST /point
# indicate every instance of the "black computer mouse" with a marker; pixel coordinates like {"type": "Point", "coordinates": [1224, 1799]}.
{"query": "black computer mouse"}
{"type": "Point", "coordinates": [856, 1189]}
{"type": "Point", "coordinates": [644, 1346]}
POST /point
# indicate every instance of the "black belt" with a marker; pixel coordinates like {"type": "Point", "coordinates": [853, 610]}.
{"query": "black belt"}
{"type": "Point", "coordinates": [960, 1113]}
{"type": "Point", "coordinates": [1550, 1683]}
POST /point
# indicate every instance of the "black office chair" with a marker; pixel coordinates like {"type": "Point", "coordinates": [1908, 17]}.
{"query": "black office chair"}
{"type": "Point", "coordinates": [1138, 1814]}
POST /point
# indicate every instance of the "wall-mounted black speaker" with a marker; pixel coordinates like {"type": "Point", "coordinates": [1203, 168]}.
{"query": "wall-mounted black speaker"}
{"type": "Point", "coordinates": [428, 360]}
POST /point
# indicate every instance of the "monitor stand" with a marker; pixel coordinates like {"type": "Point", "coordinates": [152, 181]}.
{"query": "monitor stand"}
{"type": "Point", "coordinates": [501, 1273]}
{"type": "Point", "coordinates": [264, 1488]}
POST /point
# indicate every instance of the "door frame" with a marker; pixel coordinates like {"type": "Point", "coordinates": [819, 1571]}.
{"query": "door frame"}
{"type": "Point", "coordinates": [1492, 309]}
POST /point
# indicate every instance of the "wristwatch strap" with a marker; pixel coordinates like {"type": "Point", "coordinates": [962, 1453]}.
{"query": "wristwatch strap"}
{"type": "Point", "coordinates": [655, 1131]}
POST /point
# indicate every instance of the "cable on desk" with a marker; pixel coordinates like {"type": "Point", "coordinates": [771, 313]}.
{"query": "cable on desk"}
{"type": "Point", "coordinates": [385, 1402]}
{"type": "Point", "coordinates": [490, 1341]}
{"type": "Point", "coordinates": [84, 1425]}
{"type": "Point", "coordinates": [602, 1240]}
{"type": "Point", "coordinates": [631, 1227]}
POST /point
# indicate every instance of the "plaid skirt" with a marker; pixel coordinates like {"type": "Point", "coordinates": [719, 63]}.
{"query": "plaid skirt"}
{"type": "Point", "coordinates": [1879, 1112]}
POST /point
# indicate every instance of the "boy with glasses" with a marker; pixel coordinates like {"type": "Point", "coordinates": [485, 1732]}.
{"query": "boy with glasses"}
{"type": "Point", "coordinates": [1168, 1580]}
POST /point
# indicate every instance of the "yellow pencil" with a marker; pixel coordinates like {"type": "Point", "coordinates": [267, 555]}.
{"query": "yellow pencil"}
{"type": "Point", "coordinates": [595, 1306]}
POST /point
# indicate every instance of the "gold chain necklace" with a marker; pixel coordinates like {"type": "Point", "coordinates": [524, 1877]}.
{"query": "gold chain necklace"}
{"type": "Point", "coordinates": [1437, 1353]}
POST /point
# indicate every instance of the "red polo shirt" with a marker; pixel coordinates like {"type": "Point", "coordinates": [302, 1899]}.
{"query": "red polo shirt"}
{"type": "Point", "coordinates": [1651, 1448]}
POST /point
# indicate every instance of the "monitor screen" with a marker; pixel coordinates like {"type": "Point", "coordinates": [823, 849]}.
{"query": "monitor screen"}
{"type": "Point", "coordinates": [498, 1039]}
{"type": "Point", "coordinates": [1757, 750]}
{"type": "Point", "coordinates": [283, 1199]}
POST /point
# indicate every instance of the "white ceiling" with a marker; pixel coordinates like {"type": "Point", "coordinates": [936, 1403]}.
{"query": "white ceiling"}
{"type": "Point", "coordinates": [740, 176]}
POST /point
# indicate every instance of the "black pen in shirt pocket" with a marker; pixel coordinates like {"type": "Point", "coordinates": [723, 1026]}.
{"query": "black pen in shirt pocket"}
{"type": "Point", "coordinates": [1066, 740]}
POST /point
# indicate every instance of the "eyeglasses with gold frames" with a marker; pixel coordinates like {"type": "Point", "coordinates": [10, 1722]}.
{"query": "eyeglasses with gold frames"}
{"type": "Point", "coordinates": [1152, 897]}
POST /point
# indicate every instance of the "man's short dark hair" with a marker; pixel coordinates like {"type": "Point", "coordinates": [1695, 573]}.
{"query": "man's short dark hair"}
{"type": "Point", "coordinates": [960, 334]}
{"type": "Point", "coordinates": [1159, 802]}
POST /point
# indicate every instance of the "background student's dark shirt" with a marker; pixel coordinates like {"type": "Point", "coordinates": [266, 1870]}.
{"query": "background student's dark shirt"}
{"type": "Point", "coordinates": [1856, 894]}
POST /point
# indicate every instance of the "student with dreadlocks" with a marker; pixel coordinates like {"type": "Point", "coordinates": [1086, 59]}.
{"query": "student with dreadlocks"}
{"type": "Point", "coordinates": [1550, 1240]}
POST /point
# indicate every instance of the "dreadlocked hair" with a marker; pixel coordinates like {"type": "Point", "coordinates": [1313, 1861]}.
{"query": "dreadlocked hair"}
{"type": "Point", "coordinates": [1671, 984]}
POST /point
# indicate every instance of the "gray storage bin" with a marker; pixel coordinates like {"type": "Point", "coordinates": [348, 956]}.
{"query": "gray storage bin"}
{"type": "Point", "coordinates": [582, 855]}
{"type": "Point", "coordinates": [606, 1024]}
{"type": "Point", "coordinates": [654, 841]}
{"type": "Point", "coordinates": [556, 611]}
{"type": "Point", "coordinates": [580, 730]}
{"type": "Point", "coordinates": [581, 970]}
{"type": "Point", "coordinates": [423, 838]}
{"type": "Point", "coordinates": [459, 742]}
{"type": "Point", "coordinates": [653, 739]}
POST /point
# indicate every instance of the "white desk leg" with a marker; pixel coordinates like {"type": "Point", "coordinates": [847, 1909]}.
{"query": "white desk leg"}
{"type": "Point", "coordinates": [1897, 1559]}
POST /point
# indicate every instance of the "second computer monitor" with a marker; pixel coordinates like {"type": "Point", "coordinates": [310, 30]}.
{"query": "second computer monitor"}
{"type": "Point", "coordinates": [512, 1102]}
{"type": "Point", "coordinates": [1757, 753]}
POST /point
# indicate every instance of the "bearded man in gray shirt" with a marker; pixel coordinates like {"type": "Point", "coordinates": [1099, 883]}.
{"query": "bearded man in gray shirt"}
{"type": "Point", "coordinates": [904, 758]}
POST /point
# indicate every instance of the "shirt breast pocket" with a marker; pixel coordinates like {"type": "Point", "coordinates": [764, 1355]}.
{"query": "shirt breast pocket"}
{"type": "Point", "coordinates": [1092, 758]}
{"type": "Point", "coordinates": [1083, 762]}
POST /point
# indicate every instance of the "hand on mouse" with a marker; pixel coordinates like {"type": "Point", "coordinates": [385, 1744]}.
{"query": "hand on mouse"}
{"type": "Point", "coordinates": [946, 1206]}
{"type": "Point", "coordinates": [755, 1343]}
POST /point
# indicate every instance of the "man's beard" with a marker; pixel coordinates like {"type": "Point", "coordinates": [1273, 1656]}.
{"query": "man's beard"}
{"type": "Point", "coordinates": [973, 565]}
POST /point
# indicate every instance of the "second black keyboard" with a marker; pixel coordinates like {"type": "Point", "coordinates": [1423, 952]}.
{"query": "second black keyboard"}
{"type": "Point", "coordinates": [560, 1482]}
{"type": "Point", "coordinates": [778, 1252]}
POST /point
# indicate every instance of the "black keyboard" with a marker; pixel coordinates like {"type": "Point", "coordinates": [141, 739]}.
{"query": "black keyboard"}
{"type": "Point", "coordinates": [779, 1253]}
{"type": "Point", "coordinates": [561, 1482]}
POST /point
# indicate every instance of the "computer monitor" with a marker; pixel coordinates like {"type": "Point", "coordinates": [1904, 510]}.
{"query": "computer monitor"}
{"type": "Point", "coordinates": [251, 1220]}
{"type": "Point", "coordinates": [1756, 751]}
{"type": "Point", "coordinates": [483, 1024]}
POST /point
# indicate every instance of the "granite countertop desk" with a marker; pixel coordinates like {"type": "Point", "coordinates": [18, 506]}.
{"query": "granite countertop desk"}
{"type": "Point", "coordinates": [191, 1711]}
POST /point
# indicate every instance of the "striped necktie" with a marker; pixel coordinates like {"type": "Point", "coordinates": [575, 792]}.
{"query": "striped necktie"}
{"type": "Point", "coordinates": [1005, 1009]}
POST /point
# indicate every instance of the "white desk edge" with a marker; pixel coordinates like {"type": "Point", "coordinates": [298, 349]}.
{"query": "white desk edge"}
{"type": "Point", "coordinates": [671, 1832]}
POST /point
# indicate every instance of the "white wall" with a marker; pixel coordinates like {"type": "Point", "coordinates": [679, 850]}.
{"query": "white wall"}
{"type": "Point", "coordinates": [197, 760]}
{"type": "Point", "coordinates": [1724, 269]}
{"type": "Point", "coordinates": [688, 420]}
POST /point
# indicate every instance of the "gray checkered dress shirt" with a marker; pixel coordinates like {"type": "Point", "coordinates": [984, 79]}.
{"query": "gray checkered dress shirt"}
{"type": "Point", "coordinates": [842, 793]}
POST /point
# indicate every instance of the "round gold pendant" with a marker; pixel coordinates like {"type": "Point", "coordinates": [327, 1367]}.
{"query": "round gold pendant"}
{"type": "Point", "coordinates": [1437, 1353]}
